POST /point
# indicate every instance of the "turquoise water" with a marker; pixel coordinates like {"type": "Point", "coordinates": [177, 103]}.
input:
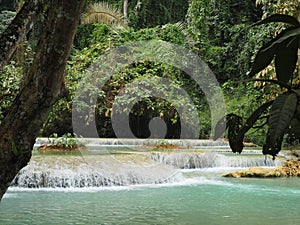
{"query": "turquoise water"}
{"type": "Point", "coordinates": [197, 199]}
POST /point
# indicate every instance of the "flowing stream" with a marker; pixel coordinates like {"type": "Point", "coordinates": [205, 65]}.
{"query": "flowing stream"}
{"type": "Point", "coordinates": [117, 184]}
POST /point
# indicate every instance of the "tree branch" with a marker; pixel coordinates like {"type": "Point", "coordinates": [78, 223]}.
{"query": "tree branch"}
{"type": "Point", "coordinates": [254, 117]}
{"type": "Point", "coordinates": [18, 29]}
{"type": "Point", "coordinates": [280, 83]}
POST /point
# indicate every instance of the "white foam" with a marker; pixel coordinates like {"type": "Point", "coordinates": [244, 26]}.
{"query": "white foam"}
{"type": "Point", "coordinates": [184, 182]}
{"type": "Point", "coordinates": [9, 195]}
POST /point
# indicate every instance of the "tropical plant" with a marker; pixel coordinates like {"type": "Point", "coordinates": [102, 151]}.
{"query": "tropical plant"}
{"type": "Point", "coordinates": [66, 141]}
{"type": "Point", "coordinates": [284, 114]}
{"type": "Point", "coordinates": [270, 7]}
{"type": "Point", "coordinates": [103, 12]}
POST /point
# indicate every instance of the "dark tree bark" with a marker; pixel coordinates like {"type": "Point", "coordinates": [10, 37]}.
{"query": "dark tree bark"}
{"type": "Point", "coordinates": [42, 88]}
{"type": "Point", "coordinates": [18, 29]}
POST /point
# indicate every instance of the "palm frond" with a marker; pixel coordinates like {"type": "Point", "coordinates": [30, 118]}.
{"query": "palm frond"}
{"type": "Point", "coordinates": [102, 12]}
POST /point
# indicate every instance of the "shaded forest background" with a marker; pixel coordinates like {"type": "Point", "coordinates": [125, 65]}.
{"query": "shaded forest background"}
{"type": "Point", "coordinates": [218, 31]}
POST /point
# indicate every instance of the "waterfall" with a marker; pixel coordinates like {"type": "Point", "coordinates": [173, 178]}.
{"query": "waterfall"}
{"type": "Point", "coordinates": [71, 171]}
{"type": "Point", "coordinates": [121, 166]}
{"type": "Point", "coordinates": [47, 179]}
{"type": "Point", "coordinates": [191, 143]}
{"type": "Point", "coordinates": [192, 160]}
{"type": "Point", "coordinates": [185, 160]}
{"type": "Point", "coordinates": [92, 171]}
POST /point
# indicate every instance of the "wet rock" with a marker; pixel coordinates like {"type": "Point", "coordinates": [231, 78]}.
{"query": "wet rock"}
{"type": "Point", "coordinates": [290, 169]}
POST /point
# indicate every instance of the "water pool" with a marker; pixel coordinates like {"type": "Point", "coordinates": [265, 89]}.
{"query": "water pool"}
{"type": "Point", "coordinates": [198, 199]}
{"type": "Point", "coordinates": [70, 189]}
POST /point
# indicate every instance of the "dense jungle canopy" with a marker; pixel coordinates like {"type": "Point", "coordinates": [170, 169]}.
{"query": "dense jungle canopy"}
{"type": "Point", "coordinates": [218, 31]}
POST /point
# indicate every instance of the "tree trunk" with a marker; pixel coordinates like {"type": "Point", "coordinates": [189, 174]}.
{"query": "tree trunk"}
{"type": "Point", "coordinates": [138, 7]}
{"type": "Point", "coordinates": [125, 10]}
{"type": "Point", "coordinates": [42, 88]}
{"type": "Point", "coordinates": [18, 28]}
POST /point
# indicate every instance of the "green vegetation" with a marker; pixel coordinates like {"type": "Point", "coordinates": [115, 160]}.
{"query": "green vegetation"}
{"type": "Point", "coordinates": [65, 143]}
{"type": "Point", "coordinates": [218, 31]}
{"type": "Point", "coordinates": [284, 114]}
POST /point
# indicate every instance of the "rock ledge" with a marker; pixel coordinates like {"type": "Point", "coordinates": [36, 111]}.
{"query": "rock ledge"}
{"type": "Point", "coordinates": [290, 169]}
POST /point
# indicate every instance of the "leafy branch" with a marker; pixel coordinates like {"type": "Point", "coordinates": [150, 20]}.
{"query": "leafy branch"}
{"type": "Point", "coordinates": [283, 49]}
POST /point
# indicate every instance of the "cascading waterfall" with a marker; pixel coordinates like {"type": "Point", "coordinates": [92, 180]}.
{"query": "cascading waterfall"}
{"type": "Point", "coordinates": [192, 160]}
{"type": "Point", "coordinates": [67, 179]}
{"type": "Point", "coordinates": [92, 171]}
{"type": "Point", "coordinates": [104, 167]}
{"type": "Point", "coordinates": [51, 171]}
{"type": "Point", "coordinates": [98, 142]}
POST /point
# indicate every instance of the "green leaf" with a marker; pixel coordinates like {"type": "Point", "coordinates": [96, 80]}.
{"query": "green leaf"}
{"type": "Point", "coordinates": [284, 35]}
{"type": "Point", "coordinates": [279, 18]}
{"type": "Point", "coordinates": [294, 129]}
{"type": "Point", "coordinates": [273, 148]}
{"type": "Point", "coordinates": [234, 124]}
{"type": "Point", "coordinates": [236, 140]}
{"type": "Point", "coordinates": [282, 112]}
{"type": "Point", "coordinates": [236, 144]}
{"type": "Point", "coordinates": [230, 120]}
{"type": "Point", "coordinates": [286, 59]}
{"type": "Point", "coordinates": [14, 149]}
{"type": "Point", "coordinates": [266, 53]}
{"type": "Point", "coordinates": [263, 58]}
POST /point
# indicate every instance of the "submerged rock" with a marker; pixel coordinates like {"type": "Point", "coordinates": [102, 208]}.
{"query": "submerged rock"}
{"type": "Point", "coordinates": [290, 169]}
